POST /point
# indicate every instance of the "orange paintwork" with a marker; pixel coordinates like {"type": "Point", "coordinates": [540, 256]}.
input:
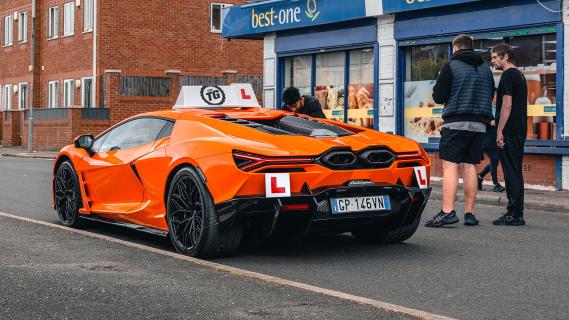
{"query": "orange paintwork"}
{"type": "Point", "coordinates": [111, 189]}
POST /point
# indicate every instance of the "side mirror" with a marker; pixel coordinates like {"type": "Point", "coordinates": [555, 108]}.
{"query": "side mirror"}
{"type": "Point", "coordinates": [84, 142]}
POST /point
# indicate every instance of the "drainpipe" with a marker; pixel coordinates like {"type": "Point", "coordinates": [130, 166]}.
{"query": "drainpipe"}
{"type": "Point", "coordinates": [95, 52]}
{"type": "Point", "coordinates": [32, 71]}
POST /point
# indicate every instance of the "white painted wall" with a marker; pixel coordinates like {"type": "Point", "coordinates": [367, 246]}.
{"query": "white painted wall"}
{"type": "Point", "coordinates": [270, 72]}
{"type": "Point", "coordinates": [387, 73]}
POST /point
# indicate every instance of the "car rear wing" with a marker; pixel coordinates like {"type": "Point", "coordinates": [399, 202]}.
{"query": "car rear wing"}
{"type": "Point", "coordinates": [236, 95]}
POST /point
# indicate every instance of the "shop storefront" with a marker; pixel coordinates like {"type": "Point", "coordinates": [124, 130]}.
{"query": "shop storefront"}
{"type": "Point", "coordinates": [327, 49]}
{"type": "Point", "coordinates": [424, 40]}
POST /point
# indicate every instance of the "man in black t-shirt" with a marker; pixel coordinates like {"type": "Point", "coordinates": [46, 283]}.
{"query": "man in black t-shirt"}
{"type": "Point", "coordinates": [307, 105]}
{"type": "Point", "coordinates": [511, 118]}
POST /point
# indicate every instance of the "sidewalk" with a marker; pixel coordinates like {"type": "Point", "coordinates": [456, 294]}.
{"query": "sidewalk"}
{"type": "Point", "coordinates": [23, 153]}
{"type": "Point", "coordinates": [544, 200]}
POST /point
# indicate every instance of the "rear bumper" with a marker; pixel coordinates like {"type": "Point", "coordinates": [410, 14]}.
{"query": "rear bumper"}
{"type": "Point", "coordinates": [406, 205]}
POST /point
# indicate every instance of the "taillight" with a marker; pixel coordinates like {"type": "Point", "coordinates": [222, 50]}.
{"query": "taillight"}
{"type": "Point", "coordinates": [248, 161]}
{"type": "Point", "coordinates": [410, 156]}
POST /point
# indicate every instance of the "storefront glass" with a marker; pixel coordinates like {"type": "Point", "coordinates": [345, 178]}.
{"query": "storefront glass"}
{"type": "Point", "coordinates": [422, 116]}
{"type": "Point", "coordinates": [298, 73]}
{"type": "Point", "coordinates": [361, 88]}
{"type": "Point", "coordinates": [329, 88]}
{"type": "Point", "coordinates": [536, 57]}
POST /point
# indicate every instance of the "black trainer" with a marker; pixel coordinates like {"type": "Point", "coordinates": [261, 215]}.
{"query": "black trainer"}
{"type": "Point", "coordinates": [470, 219]}
{"type": "Point", "coordinates": [499, 188]}
{"type": "Point", "coordinates": [509, 220]}
{"type": "Point", "coordinates": [442, 219]}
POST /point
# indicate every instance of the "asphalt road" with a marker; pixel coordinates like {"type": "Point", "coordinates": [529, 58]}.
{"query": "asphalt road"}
{"type": "Point", "coordinates": [485, 272]}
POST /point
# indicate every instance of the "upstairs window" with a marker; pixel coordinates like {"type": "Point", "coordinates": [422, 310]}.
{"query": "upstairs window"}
{"type": "Point", "coordinates": [88, 11]}
{"type": "Point", "coordinates": [53, 23]}
{"type": "Point", "coordinates": [215, 19]}
{"type": "Point", "coordinates": [8, 30]}
{"type": "Point", "coordinates": [53, 90]}
{"type": "Point", "coordinates": [69, 19]}
{"type": "Point", "coordinates": [7, 96]}
{"type": "Point", "coordinates": [23, 99]}
{"type": "Point", "coordinates": [23, 27]}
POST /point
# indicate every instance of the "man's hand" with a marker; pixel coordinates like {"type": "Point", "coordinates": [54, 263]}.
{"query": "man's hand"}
{"type": "Point", "coordinates": [500, 140]}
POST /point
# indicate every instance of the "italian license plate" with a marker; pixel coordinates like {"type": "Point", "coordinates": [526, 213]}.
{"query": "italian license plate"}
{"type": "Point", "coordinates": [360, 204]}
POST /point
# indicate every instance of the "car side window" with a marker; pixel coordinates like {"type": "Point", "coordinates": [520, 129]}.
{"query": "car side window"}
{"type": "Point", "coordinates": [132, 134]}
{"type": "Point", "coordinates": [99, 142]}
{"type": "Point", "coordinates": [166, 130]}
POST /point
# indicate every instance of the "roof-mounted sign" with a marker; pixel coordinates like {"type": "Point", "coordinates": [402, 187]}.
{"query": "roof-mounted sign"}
{"type": "Point", "coordinates": [234, 95]}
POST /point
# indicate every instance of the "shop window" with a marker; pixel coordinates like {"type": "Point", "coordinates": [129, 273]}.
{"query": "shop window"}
{"type": "Point", "coordinates": [8, 32]}
{"type": "Point", "coordinates": [536, 57]}
{"type": "Point", "coordinates": [216, 15]}
{"type": "Point", "coordinates": [23, 27]}
{"type": "Point", "coordinates": [361, 88]}
{"type": "Point", "coordinates": [23, 96]}
{"type": "Point", "coordinates": [298, 73]}
{"type": "Point", "coordinates": [422, 117]}
{"type": "Point", "coordinates": [53, 23]}
{"type": "Point", "coordinates": [329, 89]}
{"type": "Point", "coordinates": [68, 18]}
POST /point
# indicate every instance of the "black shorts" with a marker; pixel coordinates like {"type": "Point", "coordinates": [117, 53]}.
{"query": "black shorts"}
{"type": "Point", "coordinates": [460, 146]}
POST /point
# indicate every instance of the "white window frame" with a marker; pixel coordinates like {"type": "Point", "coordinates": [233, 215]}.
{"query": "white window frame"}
{"type": "Point", "coordinates": [93, 91]}
{"type": "Point", "coordinates": [88, 15]}
{"type": "Point", "coordinates": [22, 99]}
{"type": "Point", "coordinates": [23, 27]}
{"type": "Point", "coordinates": [52, 94]}
{"type": "Point", "coordinates": [69, 19]}
{"type": "Point", "coordinates": [8, 30]}
{"type": "Point", "coordinates": [68, 93]}
{"type": "Point", "coordinates": [221, 6]}
{"type": "Point", "coordinates": [7, 96]}
{"type": "Point", "coordinates": [53, 23]}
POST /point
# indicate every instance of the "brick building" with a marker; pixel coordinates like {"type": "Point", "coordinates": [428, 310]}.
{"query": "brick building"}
{"type": "Point", "coordinates": [97, 62]}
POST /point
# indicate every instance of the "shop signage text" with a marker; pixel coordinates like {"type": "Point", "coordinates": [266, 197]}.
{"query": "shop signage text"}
{"type": "Point", "coordinates": [275, 16]}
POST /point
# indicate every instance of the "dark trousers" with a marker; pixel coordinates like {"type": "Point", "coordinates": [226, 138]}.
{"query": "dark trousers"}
{"type": "Point", "coordinates": [511, 157]}
{"type": "Point", "coordinates": [492, 167]}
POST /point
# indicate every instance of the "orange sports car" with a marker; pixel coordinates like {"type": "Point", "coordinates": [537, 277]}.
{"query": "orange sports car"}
{"type": "Point", "coordinates": [217, 167]}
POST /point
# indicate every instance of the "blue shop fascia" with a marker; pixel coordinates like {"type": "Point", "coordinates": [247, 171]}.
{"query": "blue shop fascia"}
{"type": "Point", "coordinates": [373, 63]}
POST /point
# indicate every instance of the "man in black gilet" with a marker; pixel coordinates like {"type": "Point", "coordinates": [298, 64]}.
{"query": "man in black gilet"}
{"type": "Point", "coordinates": [511, 117]}
{"type": "Point", "coordinates": [466, 87]}
{"type": "Point", "coordinates": [307, 105]}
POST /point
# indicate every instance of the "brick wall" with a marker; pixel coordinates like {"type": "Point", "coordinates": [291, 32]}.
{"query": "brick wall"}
{"type": "Point", "coordinates": [538, 169]}
{"type": "Point", "coordinates": [11, 125]}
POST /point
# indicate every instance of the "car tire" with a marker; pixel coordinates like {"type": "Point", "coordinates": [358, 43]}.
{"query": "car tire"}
{"type": "Point", "coordinates": [375, 235]}
{"type": "Point", "coordinates": [193, 221]}
{"type": "Point", "coordinates": [67, 195]}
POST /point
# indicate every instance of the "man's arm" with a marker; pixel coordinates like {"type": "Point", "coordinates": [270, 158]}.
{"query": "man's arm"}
{"type": "Point", "coordinates": [504, 116]}
{"type": "Point", "coordinates": [441, 90]}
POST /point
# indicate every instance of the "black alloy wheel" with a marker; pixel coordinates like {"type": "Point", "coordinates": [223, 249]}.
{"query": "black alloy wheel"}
{"type": "Point", "coordinates": [193, 221]}
{"type": "Point", "coordinates": [66, 195]}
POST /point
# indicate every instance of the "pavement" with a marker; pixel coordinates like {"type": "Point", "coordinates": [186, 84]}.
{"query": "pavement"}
{"type": "Point", "coordinates": [535, 199]}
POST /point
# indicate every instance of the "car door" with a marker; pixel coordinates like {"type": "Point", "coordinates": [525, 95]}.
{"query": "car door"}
{"type": "Point", "coordinates": [111, 180]}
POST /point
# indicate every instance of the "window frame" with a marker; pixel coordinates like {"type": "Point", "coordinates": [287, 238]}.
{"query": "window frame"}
{"type": "Point", "coordinates": [53, 23]}
{"type": "Point", "coordinates": [221, 6]}
{"type": "Point", "coordinates": [23, 27]}
{"type": "Point", "coordinates": [93, 92]}
{"type": "Point", "coordinates": [88, 16]}
{"type": "Point", "coordinates": [52, 97]}
{"type": "Point", "coordinates": [8, 31]}
{"type": "Point", "coordinates": [68, 93]}
{"type": "Point", "coordinates": [71, 7]}
{"type": "Point", "coordinates": [22, 104]}
{"type": "Point", "coordinates": [7, 91]}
